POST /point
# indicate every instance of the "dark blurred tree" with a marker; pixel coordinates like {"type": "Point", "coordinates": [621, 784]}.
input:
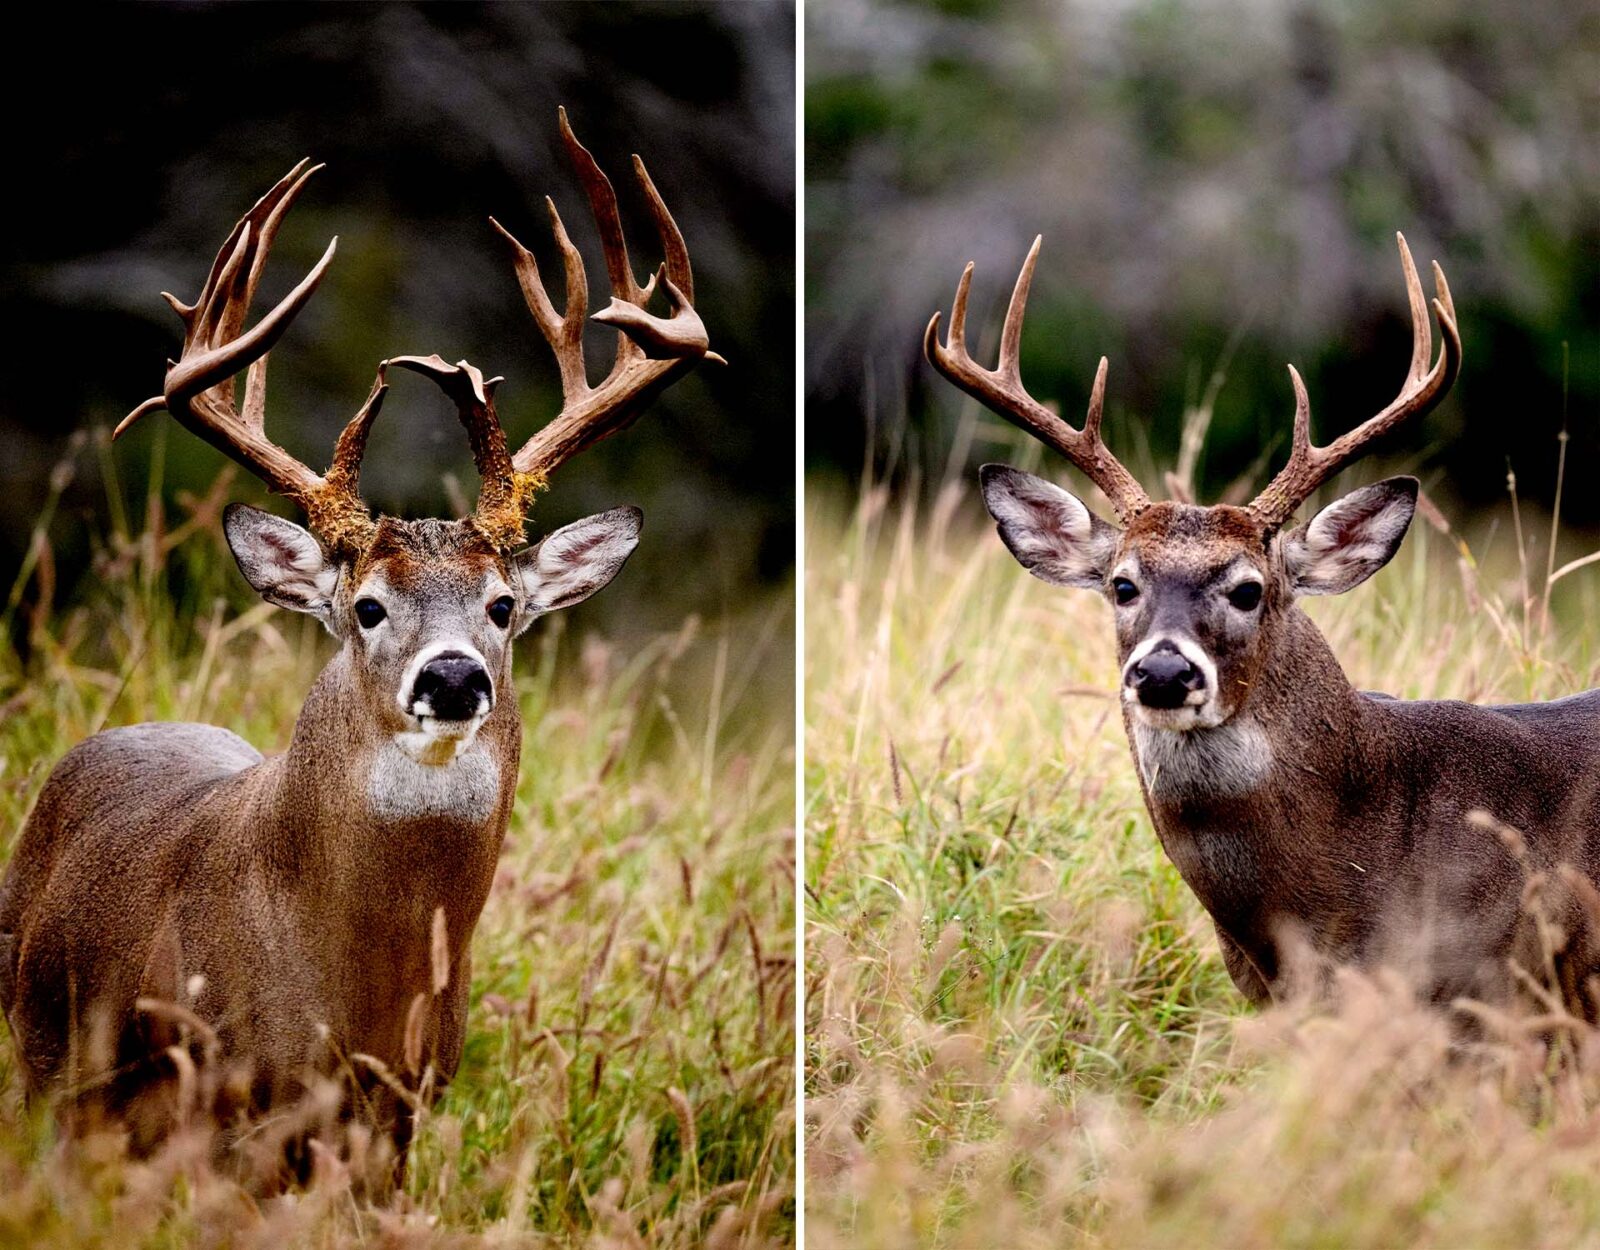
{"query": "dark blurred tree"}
{"type": "Point", "coordinates": [164, 122]}
{"type": "Point", "coordinates": [1217, 184]}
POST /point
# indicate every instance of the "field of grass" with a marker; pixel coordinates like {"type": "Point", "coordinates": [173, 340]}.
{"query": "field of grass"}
{"type": "Point", "coordinates": [1019, 1031]}
{"type": "Point", "coordinates": [628, 1077]}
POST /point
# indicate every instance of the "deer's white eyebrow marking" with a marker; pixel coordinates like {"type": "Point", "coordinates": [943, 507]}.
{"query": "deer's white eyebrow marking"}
{"type": "Point", "coordinates": [1242, 570]}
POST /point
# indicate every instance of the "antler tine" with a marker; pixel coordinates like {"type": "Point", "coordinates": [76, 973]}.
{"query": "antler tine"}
{"type": "Point", "coordinates": [652, 351]}
{"type": "Point", "coordinates": [608, 219]}
{"type": "Point", "coordinates": [672, 244]}
{"type": "Point", "coordinates": [1310, 466]}
{"type": "Point", "coordinates": [1421, 332]}
{"type": "Point", "coordinates": [199, 386]}
{"type": "Point", "coordinates": [1000, 389]}
{"type": "Point", "coordinates": [1097, 401]}
{"type": "Point", "coordinates": [344, 470]}
{"type": "Point", "coordinates": [1010, 366]}
{"type": "Point", "coordinates": [564, 330]}
{"type": "Point", "coordinates": [503, 498]}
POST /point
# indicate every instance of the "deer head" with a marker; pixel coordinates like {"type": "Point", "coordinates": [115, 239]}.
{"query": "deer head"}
{"type": "Point", "coordinates": [426, 610]}
{"type": "Point", "coordinates": [1199, 593]}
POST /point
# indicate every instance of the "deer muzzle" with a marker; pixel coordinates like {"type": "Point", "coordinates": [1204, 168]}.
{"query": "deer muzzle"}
{"type": "Point", "coordinates": [1164, 678]}
{"type": "Point", "coordinates": [452, 686]}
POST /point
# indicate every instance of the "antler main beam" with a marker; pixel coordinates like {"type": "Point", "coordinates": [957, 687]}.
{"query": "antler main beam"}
{"type": "Point", "coordinates": [1309, 467]}
{"type": "Point", "coordinates": [199, 386]}
{"type": "Point", "coordinates": [1001, 391]}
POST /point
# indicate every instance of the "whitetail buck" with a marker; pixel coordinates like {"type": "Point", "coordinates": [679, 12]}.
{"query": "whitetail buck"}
{"type": "Point", "coordinates": [176, 896]}
{"type": "Point", "coordinates": [1305, 815]}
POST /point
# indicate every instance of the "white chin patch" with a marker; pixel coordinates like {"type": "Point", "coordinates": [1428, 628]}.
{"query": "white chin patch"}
{"type": "Point", "coordinates": [439, 742]}
{"type": "Point", "coordinates": [1199, 712]}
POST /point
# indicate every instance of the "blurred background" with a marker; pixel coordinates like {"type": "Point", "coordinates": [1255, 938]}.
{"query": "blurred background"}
{"type": "Point", "coordinates": [1218, 185]}
{"type": "Point", "coordinates": [174, 118]}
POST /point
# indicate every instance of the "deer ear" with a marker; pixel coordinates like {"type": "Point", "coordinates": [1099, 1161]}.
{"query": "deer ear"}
{"type": "Point", "coordinates": [283, 561]}
{"type": "Point", "coordinates": [1351, 539]}
{"type": "Point", "coordinates": [1050, 532]}
{"type": "Point", "coordinates": [569, 565]}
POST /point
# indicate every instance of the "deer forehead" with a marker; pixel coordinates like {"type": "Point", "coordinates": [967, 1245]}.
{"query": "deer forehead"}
{"type": "Point", "coordinates": [1185, 540]}
{"type": "Point", "coordinates": [429, 556]}
{"type": "Point", "coordinates": [431, 579]}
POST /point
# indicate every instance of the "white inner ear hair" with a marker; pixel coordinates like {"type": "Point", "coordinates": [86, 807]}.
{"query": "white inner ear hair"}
{"type": "Point", "coordinates": [1052, 532]}
{"type": "Point", "coordinates": [1366, 536]}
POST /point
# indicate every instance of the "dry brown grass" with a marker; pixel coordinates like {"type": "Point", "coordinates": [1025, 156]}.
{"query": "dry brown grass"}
{"type": "Point", "coordinates": [1019, 1031]}
{"type": "Point", "coordinates": [628, 1075]}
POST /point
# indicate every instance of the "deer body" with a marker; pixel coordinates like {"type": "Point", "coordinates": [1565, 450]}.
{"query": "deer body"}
{"type": "Point", "coordinates": [1316, 824]}
{"type": "Point", "coordinates": [305, 906]}
{"type": "Point", "coordinates": [181, 913]}
{"type": "Point", "coordinates": [1307, 821]}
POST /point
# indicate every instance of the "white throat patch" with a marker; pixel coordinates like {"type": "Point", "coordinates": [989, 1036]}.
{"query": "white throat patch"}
{"type": "Point", "coordinates": [1223, 762]}
{"type": "Point", "coordinates": [402, 787]}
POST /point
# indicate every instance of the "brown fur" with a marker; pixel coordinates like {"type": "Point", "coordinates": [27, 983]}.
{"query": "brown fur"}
{"type": "Point", "coordinates": [1358, 848]}
{"type": "Point", "coordinates": [160, 852]}
{"type": "Point", "coordinates": [1316, 824]}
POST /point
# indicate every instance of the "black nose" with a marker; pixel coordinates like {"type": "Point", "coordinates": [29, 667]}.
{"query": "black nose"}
{"type": "Point", "coordinates": [455, 687]}
{"type": "Point", "coordinates": [1164, 678]}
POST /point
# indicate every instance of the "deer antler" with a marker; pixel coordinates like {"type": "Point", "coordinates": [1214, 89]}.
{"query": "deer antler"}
{"type": "Point", "coordinates": [198, 390]}
{"type": "Point", "coordinates": [652, 351]}
{"type": "Point", "coordinates": [502, 501]}
{"type": "Point", "coordinates": [1001, 390]}
{"type": "Point", "coordinates": [1309, 467]}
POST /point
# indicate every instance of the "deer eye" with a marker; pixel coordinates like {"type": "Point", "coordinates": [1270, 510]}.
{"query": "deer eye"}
{"type": "Point", "coordinates": [500, 610]}
{"type": "Point", "coordinates": [1124, 590]}
{"type": "Point", "coordinates": [1245, 596]}
{"type": "Point", "coordinates": [369, 612]}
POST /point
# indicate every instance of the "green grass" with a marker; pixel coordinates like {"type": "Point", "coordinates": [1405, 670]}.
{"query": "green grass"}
{"type": "Point", "coordinates": [633, 970]}
{"type": "Point", "coordinates": [1019, 1031]}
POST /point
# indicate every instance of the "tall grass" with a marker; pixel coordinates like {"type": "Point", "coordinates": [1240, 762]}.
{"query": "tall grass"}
{"type": "Point", "coordinates": [1019, 1029]}
{"type": "Point", "coordinates": [628, 1073]}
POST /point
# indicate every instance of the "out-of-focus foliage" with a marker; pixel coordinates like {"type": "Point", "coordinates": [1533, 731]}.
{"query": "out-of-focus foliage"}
{"type": "Point", "coordinates": [1217, 184]}
{"type": "Point", "coordinates": [162, 123]}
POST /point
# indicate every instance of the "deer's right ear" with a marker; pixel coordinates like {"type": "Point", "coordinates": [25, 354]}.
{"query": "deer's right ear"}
{"type": "Point", "coordinates": [284, 562]}
{"type": "Point", "coordinates": [1050, 532]}
{"type": "Point", "coordinates": [571, 563]}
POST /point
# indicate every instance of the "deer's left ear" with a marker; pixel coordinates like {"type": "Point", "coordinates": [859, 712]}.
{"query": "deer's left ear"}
{"type": "Point", "coordinates": [569, 565]}
{"type": "Point", "coordinates": [1351, 539]}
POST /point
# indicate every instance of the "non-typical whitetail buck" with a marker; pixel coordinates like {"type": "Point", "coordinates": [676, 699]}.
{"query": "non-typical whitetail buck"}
{"type": "Point", "coordinates": [177, 897]}
{"type": "Point", "coordinates": [1308, 817]}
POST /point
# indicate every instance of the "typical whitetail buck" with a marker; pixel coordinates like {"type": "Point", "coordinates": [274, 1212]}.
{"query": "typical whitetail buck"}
{"type": "Point", "coordinates": [1307, 817]}
{"type": "Point", "coordinates": [173, 889]}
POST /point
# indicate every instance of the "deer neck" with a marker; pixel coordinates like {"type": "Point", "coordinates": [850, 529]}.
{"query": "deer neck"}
{"type": "Point", "coordinates": [356, 827]}
{"type": "Point", "coordinates": [1256, 812]}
